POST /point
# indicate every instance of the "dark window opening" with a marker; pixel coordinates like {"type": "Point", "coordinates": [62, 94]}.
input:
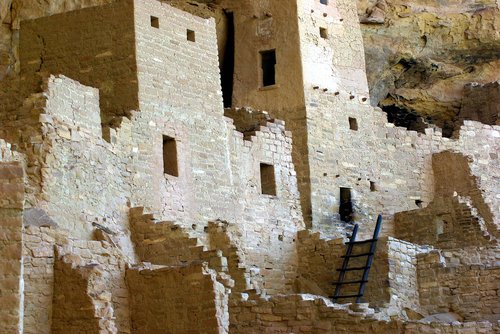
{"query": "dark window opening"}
{"type": "Point", "coordinates": [191, 35]}
{"type": "Point", "coordinates": [170, 156]}
{"type": "Point", "coordinates": [267, 179]}
{"type": "Point", "coordinates": [268, 62]}
{"type": "Point", "coordinates": [155, 22]}
{"type": "Point", "coordinates": [324, 2]}
{"type": "Point", "coordinates": [353, 124]}
{"type": "Point", "coordinates": [323, 32]}
{"type": "Point", "coordinates": [373, 186]}
{"type": "Point", "coordinates": [227, 63]}
{"type": "Point", "coordinates": [345, 208]}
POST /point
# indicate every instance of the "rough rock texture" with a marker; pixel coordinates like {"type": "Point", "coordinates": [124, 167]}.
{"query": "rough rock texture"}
{"type": "Point", "coordinates": [420, 54]}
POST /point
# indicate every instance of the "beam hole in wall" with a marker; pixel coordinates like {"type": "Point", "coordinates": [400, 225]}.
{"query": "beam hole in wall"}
{"type": "Point", "coordinates": [324, 2]}
{"type": "Point", "coordinates": [170, 166]}
{"type": "Point", "coordinates": [267, 179]}
{"type": "Point", "coordinates": [373, 186]}
{"type": "Point", "coordinates": [353, 124]}
{"type": "Point", "coordinates": [345, 208]}
{"type": "Point", "coordinates": [323, 32]}
{"type": "Point", "coordinates": [191, 36]}
{"type": "Point", "coordinates": [155, 22]}
{"type": "Point", "coordinates": [268, 62]}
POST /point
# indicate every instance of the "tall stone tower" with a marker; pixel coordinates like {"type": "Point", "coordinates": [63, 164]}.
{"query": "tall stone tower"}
{"type": "Point", "coordinates": [303, 61]}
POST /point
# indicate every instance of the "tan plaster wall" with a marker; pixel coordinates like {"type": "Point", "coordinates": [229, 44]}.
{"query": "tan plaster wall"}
{"type": "Point", "coordinates": [177, 299]}
{"type": "Point", "coordinates": [94, 46]}
{"type": "Point", "coordinates": [260, 26]}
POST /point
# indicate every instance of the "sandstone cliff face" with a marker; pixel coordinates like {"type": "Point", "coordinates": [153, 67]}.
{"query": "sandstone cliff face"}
{"type": "Point", "coordinates": [419, 54]}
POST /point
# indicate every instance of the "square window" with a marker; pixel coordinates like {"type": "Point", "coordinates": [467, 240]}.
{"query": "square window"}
{"type": "Point", "coordinates": [170, 156]}
{"type": "Point", "coordinates": [353, 124]}
{"type": "Point", "coordinates": [323, 32]}
{"type": "Point", "coordinates": [373, 186]}
{"type": "Point", "coordinates": [155, 22]}
{"type": "Point", "coordinates": [267, 179]}
{"type": "Point", "coordinates": [191, 36]}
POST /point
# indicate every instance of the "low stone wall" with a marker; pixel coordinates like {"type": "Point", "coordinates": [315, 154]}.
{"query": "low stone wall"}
{"type": "Point", "coordinates": [39, 259]}
{"type": "Point", "coordinates": [313, 314]}
{"type": "Point", "coordinates": [468, 290]}
{"type": "Point", "coordinates": [458, 216]}
{"type": "Point", "coordinates": [178, 300]}
{"type": "Point", "coordinates": [81, 301]}
{"type": "Point", "coordinates": [393, 277]}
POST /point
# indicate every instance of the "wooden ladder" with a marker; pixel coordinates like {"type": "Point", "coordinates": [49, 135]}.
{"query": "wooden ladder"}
{"type": "Point", "coordinates": [366, 268]}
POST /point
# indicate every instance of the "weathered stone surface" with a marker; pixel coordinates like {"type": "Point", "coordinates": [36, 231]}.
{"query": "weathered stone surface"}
{"type": "Point", "coordinates": [421, 54]}
{"type": "Point", "coordinates": [149, 206]}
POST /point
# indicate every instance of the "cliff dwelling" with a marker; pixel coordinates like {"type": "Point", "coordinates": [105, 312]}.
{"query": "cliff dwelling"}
{"type": "Point", "coordinates": [235, 166]}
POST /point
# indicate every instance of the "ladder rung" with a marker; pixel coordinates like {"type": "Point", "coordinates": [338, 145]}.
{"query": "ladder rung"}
{"type": "Point", "coordinates": [346, 296]}
{"type": "Point", "coordinates": [350, 282]}
{"type": "Point", "coordinates": [353, 268]}
{"type": "Point", "coordinates": [358, 255]}
{"type": "Point", "coordinates": [361, 242]}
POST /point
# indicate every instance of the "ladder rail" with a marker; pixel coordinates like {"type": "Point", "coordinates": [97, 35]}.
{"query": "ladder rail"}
{"type": "Point", "coordinates": [366, 269]}
{"type": "Point", "coordinates": [369, 260]}
{"type": "Point", "coordinates": [345, 263]}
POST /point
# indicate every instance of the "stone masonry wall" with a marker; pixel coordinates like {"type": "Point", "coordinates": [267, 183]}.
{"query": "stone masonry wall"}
{"type": "Point", "coordinates": [470, 290]}
{"type": "Point", "coordinates": [479, 103]}
{"type": "Point", "coordinates": [71, 143]}
{"type": "Point", "coordinates": [94, 46]}
{"type": "Point", "coordinates": [394, 172]}
{"type": "Point", "coordinates": [81, 301]}
{"type": "Point", "coordinates": [11, 262]}
{"type": "Point", "coordinates": [85, 185]}
{"type": "Point", "coordinates": [333, 59]}
{"type": "Point", "coordinates": [312, 314]}
{"type": "Point", "coordinates": [40, 289]}
{"type": "Point", "coordinates": [458, 216]}
{"type": "Point", "coordinates": [393, 276]}
{"type": "Point", "coordinates": [78, 164]}
{"type": "Point", "coordinates": [444, 223]}
{"type": "Point", "coordinates": [177, 300]}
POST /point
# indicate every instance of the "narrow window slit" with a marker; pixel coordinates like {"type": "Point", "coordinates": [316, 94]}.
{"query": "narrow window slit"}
{"type": "Point", "coordinates": [191, 35]}
{"type": "Point", "coordinates": [353, 124]}
{"type": "Point", "coordinates": [170, 165]}
{"type": "Point", "coordinates": [268, 63]}
{"type": "Point", "coordinates": [323, 32]}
